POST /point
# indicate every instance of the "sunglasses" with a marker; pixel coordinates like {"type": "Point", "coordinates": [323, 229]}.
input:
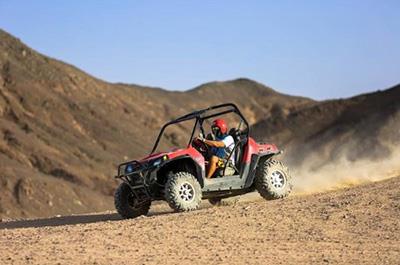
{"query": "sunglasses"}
{"type": "Point", "coordinates": [215, 129]}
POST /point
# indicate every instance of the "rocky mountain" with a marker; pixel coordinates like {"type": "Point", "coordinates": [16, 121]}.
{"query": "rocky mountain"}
{"type": "Point", "coordinates": [63, 132]}
{"type": "Point", "coordinates": [362, 127]}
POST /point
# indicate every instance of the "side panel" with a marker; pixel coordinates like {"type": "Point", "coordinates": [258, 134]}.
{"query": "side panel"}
{"type": "Point", "coordinates": [227, 183]}
{"type": "Point", "coordinates": [252, 171]}
{"type": "Point", "coordinates": [190, 151]}
{"type": "Point", "coordinates": [252, 153]}
{"type": "Point", "coordinates": [251, 148]}
{"type": "Point", "coordinates": [267, 148]}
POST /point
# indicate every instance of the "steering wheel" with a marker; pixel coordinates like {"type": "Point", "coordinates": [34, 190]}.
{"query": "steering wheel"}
{"type": "Point", "coordinates": [201, 147]}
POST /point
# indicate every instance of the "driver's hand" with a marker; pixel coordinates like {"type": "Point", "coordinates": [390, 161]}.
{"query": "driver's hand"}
{"type": "Point", "coordinates": [200, 138]}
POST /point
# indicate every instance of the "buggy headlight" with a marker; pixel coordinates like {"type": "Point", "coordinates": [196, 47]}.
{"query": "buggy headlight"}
{"type": "Point", "coordinates": [129, 169]}
{"type": "Point", "coordinates": [159, 160]}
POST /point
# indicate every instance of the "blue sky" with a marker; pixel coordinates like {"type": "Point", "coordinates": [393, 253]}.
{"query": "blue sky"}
{"type": "Point", "coordinates": [320, 49]}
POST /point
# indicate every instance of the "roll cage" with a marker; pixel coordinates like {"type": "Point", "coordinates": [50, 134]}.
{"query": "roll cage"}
{"type": "Point", "coordinates": [200, 116]}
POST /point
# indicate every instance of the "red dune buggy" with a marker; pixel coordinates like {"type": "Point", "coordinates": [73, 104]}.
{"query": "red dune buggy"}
{"type": "Point", "coordinates": [178, 176]}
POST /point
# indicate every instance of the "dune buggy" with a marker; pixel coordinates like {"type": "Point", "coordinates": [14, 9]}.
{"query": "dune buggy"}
{"type": "Point", "coordinates": [178, 176]}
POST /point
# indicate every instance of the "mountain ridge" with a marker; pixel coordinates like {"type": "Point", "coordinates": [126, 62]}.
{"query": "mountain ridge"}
{"type": "Point", "coordinates": [63, 132]}
{"type": "Point", "coordinates": [61, 126]}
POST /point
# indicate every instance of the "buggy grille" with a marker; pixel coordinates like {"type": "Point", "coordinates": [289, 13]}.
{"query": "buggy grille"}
{"type": "Point", "coordinates": [136, 166]}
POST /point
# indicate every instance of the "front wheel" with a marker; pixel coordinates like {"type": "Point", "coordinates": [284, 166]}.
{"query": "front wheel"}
{"type": "Point", "coordinates": [127, 204]}
{"type": "Point", "coordinates": [183, 192]}
{"type": "Point", "coordinates": [273, 180]}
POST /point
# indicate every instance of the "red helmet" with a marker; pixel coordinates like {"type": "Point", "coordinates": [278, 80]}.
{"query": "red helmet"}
{"type": "Point", "coordinates": [221, 125]}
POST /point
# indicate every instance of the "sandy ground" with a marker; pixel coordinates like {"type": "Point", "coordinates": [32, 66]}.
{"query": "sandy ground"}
{"type": "Point", "coordinates": [359, 225]}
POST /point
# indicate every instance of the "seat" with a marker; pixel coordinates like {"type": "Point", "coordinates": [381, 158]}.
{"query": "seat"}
{"type": "Point", "coordinates": [235, 133]}
{"type": "Point", "coordinates": [237, 150]}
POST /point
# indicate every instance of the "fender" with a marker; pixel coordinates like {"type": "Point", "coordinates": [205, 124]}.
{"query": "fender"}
{"type": "Point", "coordinates": [196, 161]}
{"type": "Point", "coordinates": [255, 159]}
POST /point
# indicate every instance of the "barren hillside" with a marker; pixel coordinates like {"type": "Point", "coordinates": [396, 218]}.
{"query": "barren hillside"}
{"type": "Point", "coordinates": [337, 142]}
{"type": "Point", "coordinates": [63, 132]}
{"type": "Point", "coordinates": [365, 126]}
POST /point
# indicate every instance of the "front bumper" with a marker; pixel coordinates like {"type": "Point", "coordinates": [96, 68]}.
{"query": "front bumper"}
{"type": "Point", "coordinates": [141, 172]}
{"type": "Point", "coordinates": [137, 168]}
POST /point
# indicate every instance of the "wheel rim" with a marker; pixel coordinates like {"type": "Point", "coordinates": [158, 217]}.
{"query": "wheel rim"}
{"type": "Point", "coordinates": [132, 201]}
{"type": "Point", "coordinates": [278, 180]}
{"type": "Point", "coordinates": [186, 192]}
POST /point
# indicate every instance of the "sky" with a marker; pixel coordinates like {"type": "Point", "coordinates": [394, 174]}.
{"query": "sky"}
{"type": "Point", "coordinates": [319, 49]}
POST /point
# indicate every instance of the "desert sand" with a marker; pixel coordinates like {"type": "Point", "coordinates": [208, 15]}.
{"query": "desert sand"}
{"type": "Point", "coordinates": [357, 225]}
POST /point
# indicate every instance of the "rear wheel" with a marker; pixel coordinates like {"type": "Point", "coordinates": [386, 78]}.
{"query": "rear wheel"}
{"type": "Point", "coordinates": [127, 204]}
{"type": "Point", "coordinates": [183, 192]}
{"type": "Point", "coordinates": [273, 179]}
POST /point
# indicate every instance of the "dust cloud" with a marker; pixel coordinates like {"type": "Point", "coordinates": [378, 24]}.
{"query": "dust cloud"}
{"type": "Point", "coordinates": [343, 173]}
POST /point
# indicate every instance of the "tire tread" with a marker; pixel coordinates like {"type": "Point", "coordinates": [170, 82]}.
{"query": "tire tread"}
{"type": "Point", "coordinates": [172, 197]}
{"type": "Point", "coordinates": [262, 183]}
{"type": "Point", "coordinates": [122, 206]}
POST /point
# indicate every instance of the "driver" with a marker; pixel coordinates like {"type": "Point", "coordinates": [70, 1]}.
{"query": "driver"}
{"type": "Point", "coordinates": [221, 147]}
